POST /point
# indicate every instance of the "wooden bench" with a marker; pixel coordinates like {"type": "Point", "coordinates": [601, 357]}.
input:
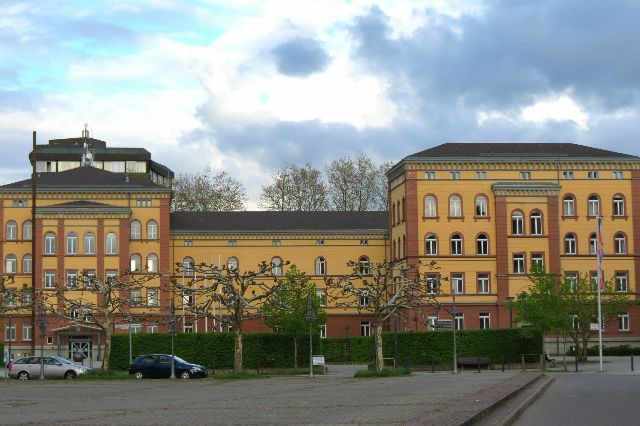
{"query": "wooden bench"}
{"type": "Point", "coordinates": [475, 361]}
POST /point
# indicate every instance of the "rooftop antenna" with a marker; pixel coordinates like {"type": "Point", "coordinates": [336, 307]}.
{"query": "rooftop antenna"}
{"type": "Point", "coordinates": [87, 155]}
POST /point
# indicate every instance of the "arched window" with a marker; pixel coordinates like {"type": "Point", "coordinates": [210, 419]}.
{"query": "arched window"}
{"type": "Point", "coordinates": [276, 266]}
{"type": "Point", "coordinates": [455, 206]}
{"type": "Point", "coordinates": [569, 205]}
{"type": "Point", "coordinates": [136, 263]}
{"type": "Point", "coordinates": [482, 206]}
{"type": "Point", "coordinates": [517, 223]}
{"type": "Point", "coordinates": [136, 230]}
{"type": "Point", "coordinates": [321, 266]}
{"type": "Point", "coordinates": [618, 205]}
{"type": "Point", "coordinates": [620, 243]}
{"type": "Point", "coordinates": [400, 248]}
{"type": "Point", "coordinates": [152, 230]}
{"type": "Point", "coordinates": [593, 206]}
{"type": "Point", "coordinates": [431, 245]}
{"type": "Point", "coordinates": [89, 245]}
{"type": "Point", "coordinates": [111, 243]}
{"type": "Point", "coordinates": [456, 245]}
{"type": "Point", "coordinates": [27, 263]}
{"type": "Point", "coordinates": [430, 206]}
{"type": "Point", "coordinates": [11, 230]}
{"type": "Point", "coordinates": [482, 244]}
{"type": "Point", "coordinates": [72, 243]}
{"type": "Point", "coordinates": [27, 230]}
{"type": "Point", "coordinates": [363, 265]}
{"type": "Point", "coordinates": [395, 251]}
{"type": "Point", "coordinates": [593, 244]}
{"type": "Point", "coordinates": [11, 264]}
{"type": "Point", "coordinates": [232, 263]}
{"type": "Point", "coordinates": [187, 266]}
{"type": "Point", "coordinates": [393, 213]}
{"type": "Point", "coordinates": [404, 211]}
{"type": "Point", "coordinates": [570, 244]}
{"type": "Point", "coordinates": [49, 243]}
{"type": "Point", "coordinates": [536, 223]}
{"type": "Point", "coordinates": [152, 263]}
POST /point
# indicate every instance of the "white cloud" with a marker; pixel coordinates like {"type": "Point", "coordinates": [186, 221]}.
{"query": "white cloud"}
{"type": "Point", "coordinates": [558, 107]}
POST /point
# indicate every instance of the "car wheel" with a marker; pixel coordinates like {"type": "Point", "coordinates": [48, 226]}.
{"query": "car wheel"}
{"type": "Point", "coordinates": [185, 375]}
{"type": "Point", "coordinates": [138, 375]}
{"type": "Point", "coordinates": [23, 375]}
{"type": "Point", "coordinates": [70, 375]}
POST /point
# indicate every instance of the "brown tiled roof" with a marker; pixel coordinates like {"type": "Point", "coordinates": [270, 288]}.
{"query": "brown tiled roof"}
{"type": "Point", "coordinates": [268, 221]}
{"type": "Point", "coordinates": [517, 150]}
{"type": "Point", "coordinates": [84, 178]}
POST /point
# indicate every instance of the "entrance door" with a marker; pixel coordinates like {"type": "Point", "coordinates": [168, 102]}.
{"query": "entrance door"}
{"type": "Point", "coordinates": [82, 345]}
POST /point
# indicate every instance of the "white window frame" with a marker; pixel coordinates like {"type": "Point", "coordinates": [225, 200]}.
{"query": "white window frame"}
{"type": "Point", "coordinates": [623, 321]}
{"type": "Point", "coordinates": [482, 245]}
{"type": "Point", "coordinates": [484, 319]}
{"type": "Point", "coordinates": [152, 328]}
{"type": "Point", "coordinates": [27, 332]}
{"type": "Point", "coordinates": [430, 175]}
{"type": "Point", "coordinates": [622, 282]}
{"type": "Point", "coordinates": [10, 333]}
{"type": "Point", "coordinates": [454, 175]}
{"type": "Point", "coordinates": [431, 245]}
{"type": "Point", "coordinates": [50, 243]}
{"type": "Point", "coordinates": [525, 175]}
{"type": "Point", "coordinates": [365, 328]}
{"type": "Point", "coordinates": [27, 230]}
{"type": "Point", "coordinates": [49, 279]}
{"type": "Point", "coordinates": [71, 279]}
{"type": "Point", "coordinates": [593, 203]}
{"type": "Point", "coordinates": [322, 297]}
{"type": "Point", "coordinates": [135, 296]}
{"type": "Point", "coordinates": [277, 266]}
{"type": "Point", "coordinates": [618, 206]}
{"type": "Point", "coordinates": [430, 206]}
{"type": "Point", "coordinates": [519, 264]}
{"type": "Point", "coordinates": [459, 320]}
{"type": "Point", "coordinates": [482, 203]}
{"type": "Point", "coordinates": [135, 230]}
{"type": "Point", "coordinates": [517, 223]}
{"type": "Point", "coordinates": [455, 206]}
{"type": "Point", "coordinates": [567, 174]}
{"type": "Point", "coordinates": [11, 230]}
{"type": "Point", "coordinates": [592, 174]}
{"type": "Point", "coordinates": [111, 243]}
{"type": "Point", "coordinates": [536, 223]}
{"type": "Point", "coordinates": [569, 206]}
{"type": "Point", "coordinates": [153, 297]}
{"type": "Point", "coordinates": [152, 230]}
{"type": "Point", "coordinates": [11, 264]}
{"type": "Point", "coordinates": [620, 243]}
{"type": "Point", "coordinates": [232, 263]}
{"type": "Point", "coordinates": [323, 331]}
{"type": "Point", "coordinates": [481, 174]}
{"type": "Point", "coordinates": [27, 263]}
{"type": "Point", "coordinates": [89, 243]}
{"type": "Point", "coordinates": [593, 244]}
{"type": "Point", "coordinates": [152, 262]}
{"type": "Point", "coordinates": [456, 245]}
{"type": "Point", "coordinates": [457, 283]}
{"type": "Point", "coordinates": [72, 242]}
{"type": "Point", "coordinates": [135, 263]}
{"type": "Point", "coordinates": [537, 259]}
{"type": "Point", "coordinates": [570, 244]}
{"type": "Point", "coordinates": [321, 265]}
{"type": "Point", "coordinates": [618, 174]}
{"type": "Point", "coordinates": [484, 283]}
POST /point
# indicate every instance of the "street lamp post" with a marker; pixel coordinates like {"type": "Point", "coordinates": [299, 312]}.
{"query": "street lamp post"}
{"type": "Point", "coordinates": [455, 350]}
{"type": "Point", "coordinates": [172, 330]}
{"type": "Point", "coordinates": [42, 323]}
{"type": "Point", "coordinates": [509, 300]}
{"type": "Point", "coordinates": [310, 316]}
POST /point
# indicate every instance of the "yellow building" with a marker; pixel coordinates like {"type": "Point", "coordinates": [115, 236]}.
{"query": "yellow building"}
{"type": "Point", "coordinates": [487, 211]}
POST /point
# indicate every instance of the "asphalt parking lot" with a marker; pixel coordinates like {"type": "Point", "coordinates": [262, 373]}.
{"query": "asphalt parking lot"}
{"type": "Point", "coordinates": [330, 399]}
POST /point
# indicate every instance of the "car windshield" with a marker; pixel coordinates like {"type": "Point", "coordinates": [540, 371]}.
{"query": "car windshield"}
{"type": "Point", "coordinates": [177, 358]}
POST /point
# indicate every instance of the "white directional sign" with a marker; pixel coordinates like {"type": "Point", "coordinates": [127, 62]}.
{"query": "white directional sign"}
{"type": "Point", "coordinates": [122, 326]}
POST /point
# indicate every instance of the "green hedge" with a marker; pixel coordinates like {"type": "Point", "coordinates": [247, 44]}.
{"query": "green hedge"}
{"type": "Point", "coordinates": [215, 350]}
{"type": "Point", "coordinates": [2, 352]}
{"type": "Point", "coordinates": [622, 350]}
{"type": "Point", "coordinates": [436, 346]}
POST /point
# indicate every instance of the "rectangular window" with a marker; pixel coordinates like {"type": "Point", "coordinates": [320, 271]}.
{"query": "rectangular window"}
{"type": "Point", "coordinates": [187, 298]}
{"type": "Point", "coordinates": [322, 297]}
{"type": "Point", "coordinates": [364, 242]}
{"type": "Point", "coordinates": [232, 243]}
{"type": "Point", "coordinates": [454, 175]}
{"type": "Point", "coordinates": [111, 275]}
{"type": "Point", "coordinates": [323, 331]}
{"type": "Point", "coordinates": [319, 242]}
{"type": "Point", "coordinates": [188, 327]}
{"type": "Point", "coordinates": [431, 321]}
{"type": "Point", "coordinates": [457, 283]}
{"type": "Point", "coordinates": [152, 296]}
{"type": "Point", "coordinates": [459, 321]}
{"type": "Point", "coordinates": [593, 279]}
{"type": "Point", "coordinates": [618, 174]}
{"type": "Point", "coordinates": [485, 320]}
{"type": "Point", "coordinates": [537, 259]}
{"type": "Point", "coordinates": [483, 283]}
{"type": "Point", "coordinates": [364, 298]}
{"type": "Point", "coordinates": [567, 174]}
{"type": "Point", "coordinates": [23, 202]}
{"type": "Point", "coordinates": [152, 328]}
{"type": "Point", "coordinates": [136, 296]}
{"type": "Point", "coordinates": [365, 328]}
{"type": "Point", "coordinates": [88, 278]}
{"type": "Point", "coordinates": [10, 333]}
{"type": "Point", "coordinates": [72, 279]}
{"type": "Point", "coordinates": [136, 328]}
{"type": "Point", "coordinates": [481, 175]}
{"type": "Point", "coordinates": [430, 175]}
{"type": "Point", "coordinates": [433, 283]}
{"type": "Point", "coordinates": [623, 322]}
{"type": "Point", "coordinates": [518, 263]}
{"type": "Point", "coordinates": [622, 282]}
{"type": "Point", "coordinates": [188, 243]}
{"type": "Point", "coordinates": [27, 332]}
{"type": "Point", "coordinates": [143, 203]}
{"type": "Point", "coordinates": [276, 243]}
{"type": "Point", "coordinates": [592, 174]}
{"type": "Point", "coordinates": [525, 175]}
{"type": "Point", "coordinates": [49, 279]}
{"type": "Point", "coordinates": [10, 299]}
{"type": "Point", "coordinates": [572, 280]}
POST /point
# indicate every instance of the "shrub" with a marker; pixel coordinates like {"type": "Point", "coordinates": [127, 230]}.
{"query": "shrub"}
{"type": "Point", "coordinates": [387, 372]}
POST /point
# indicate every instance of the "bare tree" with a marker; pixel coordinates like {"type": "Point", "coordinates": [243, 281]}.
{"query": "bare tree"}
{"type": "Point", "coordinates": [384, 289]}
{"type": "Point", "coordinates": [295, 189]}
{"type": "Point", "coordinates": [205, 191]}
{"type": "Point", "coordinates": [240, 293]}
{"type": "Point", "coordinates": [380, 190]}
{"type": "Point", "coordinates": [8, 295]}
{"type": "Point", "coordinates": [97, 302]}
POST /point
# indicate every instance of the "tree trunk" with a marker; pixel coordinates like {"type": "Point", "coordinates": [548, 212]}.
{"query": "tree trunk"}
{"type": "Point", "coordinates": [237, 334]}
{"type": "Point", "coordinates": [295, 352]}
{"type": "Point", "coordinates": [107, 349]}
{"type": "Point", "coordinates": [585, 347]}
{"type": "Point", "coordinates": [378, 342]}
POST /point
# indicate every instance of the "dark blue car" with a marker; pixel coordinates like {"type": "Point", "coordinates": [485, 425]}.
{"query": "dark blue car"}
{"type": "Point", "coordinates": [159, 366]}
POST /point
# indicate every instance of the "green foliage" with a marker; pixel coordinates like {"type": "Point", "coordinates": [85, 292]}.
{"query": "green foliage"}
{"type": "Point", "coordinates": [105, 375]}
{"type": "Point", "coordinates": [214, 350]}
{"type": "Point", "coordinates": [622, 350]}
{"type": "Point", "coordinates": [436, 346]}
{"type": "Point", "coordinates": [285, 312]}
{"type": "Point", "coordinates": [386, 372]}
{"type": "Point", "coordinates": [2, 352]}
{"type": "Point", "coordinates": [232, 375]}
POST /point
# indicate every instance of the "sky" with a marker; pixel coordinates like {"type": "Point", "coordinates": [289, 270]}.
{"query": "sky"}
{"type": "Point", "coordinates": [246, 86]}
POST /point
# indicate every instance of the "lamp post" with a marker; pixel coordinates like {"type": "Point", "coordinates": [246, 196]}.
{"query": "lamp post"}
{"type": "Point", "coordinates": [172, 330]}
{"type": "Point", "coordinates": [455, 326]}
{"type": "Point", "coordinates": [509, 300]}
{"type": "Point", "coordinates": [42, 323]}
{"type": "Point", "coordinates": [8, 360]}
{"type": "Point", "coordinates": [310, 316]}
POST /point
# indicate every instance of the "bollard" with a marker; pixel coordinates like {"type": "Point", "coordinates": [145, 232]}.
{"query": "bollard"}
{"type": "Point", "coordinates": [406, 362]}
{"type": "Point", "coordinates": [522, 362]}
{"type": "Point", "coordinates": [257, 367]}
{"type": "Point", "coordinates": [576, 364]}
{"type": "Point", "coordinates": [478, 367]}
{"type": "Point", "coordinates": [432, 365]}
{"type": "Point", "coordinates": [503, 363]}
{"type": "Point", "coordinates": [631, 362]}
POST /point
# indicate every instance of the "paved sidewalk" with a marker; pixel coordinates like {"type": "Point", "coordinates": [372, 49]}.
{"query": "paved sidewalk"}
{"type": "Point", "coordinates": [435, 398]}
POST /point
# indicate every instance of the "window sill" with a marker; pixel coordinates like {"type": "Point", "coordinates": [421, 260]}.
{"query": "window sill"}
{"type": "Point", "coordinates": [619, 217]}
{"type": "Point", "coordinates": [482, 218]}
{"type": "Point", "coordinates": [574, 217]}
{"type": "Point", "coordinates": [430, 217]}
{"type": "Point", "coordinates": [450, 218]}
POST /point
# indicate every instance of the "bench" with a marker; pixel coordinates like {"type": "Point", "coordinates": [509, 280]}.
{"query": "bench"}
{"type": "Point", "coordinates": [475, 361]}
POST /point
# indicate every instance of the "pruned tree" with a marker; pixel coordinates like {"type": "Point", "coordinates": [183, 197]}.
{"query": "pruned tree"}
{"type": "Point", "coordinates": [295, 189]}
{"type": "Point", "coordinates": [356, 184]}
{"type": "Point", "coordinates": [286, 310]}
{"type": "Point", "coordinates": [101, 303]}
{"type": "Point", "coordinates": [581, 306]}
{"type": "Point", "coordinates": [206, 191]}
{"type": "Point", "coordinates": [240, 293]}
{"type": "Point", "coordinates": [383, 289]}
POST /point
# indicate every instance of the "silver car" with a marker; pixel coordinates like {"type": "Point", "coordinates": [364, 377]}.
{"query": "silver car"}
{"type": "Point", "coordinates": [55, 367]}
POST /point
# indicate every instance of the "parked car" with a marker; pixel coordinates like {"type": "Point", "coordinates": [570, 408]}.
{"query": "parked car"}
{"type": "Point", "coordinates": [159, 366]}
{"type": "Point", "coordinates": [55, 367]}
